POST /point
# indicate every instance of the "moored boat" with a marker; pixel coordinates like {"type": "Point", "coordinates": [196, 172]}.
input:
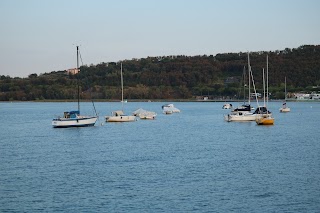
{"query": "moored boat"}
{"type": "Point", "coordinates": [74, 118]}
{"type": "Point", "coordinates": [119, 116]}
{"type": "Point", "coordinates": [148, 115]}
{"type": "Point", "coordinates": [284, 107]}
{"type": "Point", "coordinates": [265, 117]}
{"type": "Point", "coordinates": [265, 120]}
{"type": "Point", "coordinates": [169, 109]}
{"type": "Point", "coordinates": [227, 106]}
{"type": "Point", "coordinates": [144, 114]}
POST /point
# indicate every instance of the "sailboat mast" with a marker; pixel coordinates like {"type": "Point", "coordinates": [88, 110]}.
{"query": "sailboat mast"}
{"type": "Point", "coordinates": [249, 71]}
{"type": "Point", "coordinates": [121, 87]}
{"type": "Point", "coordinates": [78, 78]}
{"type": "Point", "coordinates": [264, 88]}
{"type": "Point", "coordinates": [267, 80]}
{"type": "Point", "coordinates": [244, 84]}
{"type": "Point", "coordinates": [285, 88]}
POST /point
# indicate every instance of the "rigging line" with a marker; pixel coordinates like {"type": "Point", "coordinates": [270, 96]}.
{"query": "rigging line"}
{"type": "Point", "coordinates": [254, 86]}
{"type": "Point", "coordinates": [80, 58]}
{"type": "Point", "coordinates": [87, 82]}
{"type": "Point", "coordinates": [94, 107]}
{"type": "Point", "coordinates": [242, 83]}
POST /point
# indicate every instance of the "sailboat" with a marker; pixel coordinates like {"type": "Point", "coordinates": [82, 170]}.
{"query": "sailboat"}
{"type": "Point", "coordinates": [119, 116]}
{"type": "Point", "coordinates": [74, 118]}
{"type": "Point", "coordinates": [284, 107]}
{"type": "Point", "coordinates": [243, 112]}
{"type": "Point", "coordinates": [265, 118]}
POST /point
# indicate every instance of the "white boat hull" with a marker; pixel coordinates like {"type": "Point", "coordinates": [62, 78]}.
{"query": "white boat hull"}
{"type": "Point", "coordinates": [147, 116]}
{"type": "Point", "coordinates": [170, 107]}
{"type": "Point", "coordinates": [120, 118]}
{"type": "Point", "coordinates": [242, 117]}
{"type": "Point", "coordinates": [82, 121]}
{"type": "Point", "coordinates": [287, 109]}
{"type": "Point", "coordinates": [227, 106]}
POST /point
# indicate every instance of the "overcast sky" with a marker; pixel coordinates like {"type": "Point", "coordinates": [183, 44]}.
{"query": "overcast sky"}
{"type": "Point", "coordinates": [39, 36]}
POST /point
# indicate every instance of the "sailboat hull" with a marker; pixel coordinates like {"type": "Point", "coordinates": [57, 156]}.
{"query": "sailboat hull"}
{"type": "Point", "coordinates": [265, 120]}
{"type": "Point", "coordinates": [287, 109]}
{"type": "Point", "coordinates": [240, 117]}
{"type": "Point", "coordinates": [74, 122]}
{"type": "Point", "coordinates": [120, 118]}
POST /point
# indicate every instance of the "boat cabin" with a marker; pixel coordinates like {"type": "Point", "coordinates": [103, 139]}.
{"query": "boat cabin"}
{"type": "Point", "coordinates": [244, 107]}
{"type": "Point", "coordinates": [71, 114]}
{"type": "Point", "coordinates": [118, 113]}
{"type": "Point", "coordinates": [262, 110]}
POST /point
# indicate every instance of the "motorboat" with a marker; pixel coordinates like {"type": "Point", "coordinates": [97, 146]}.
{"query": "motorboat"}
{"type": "Point", "coordinates": [227, 106]}
{"type": "Point", "coordinates": [167, 108]}
{"type": "Point", "coordinates": [144, 114]}
{"type": "Point", "coordinates": [148, 115]}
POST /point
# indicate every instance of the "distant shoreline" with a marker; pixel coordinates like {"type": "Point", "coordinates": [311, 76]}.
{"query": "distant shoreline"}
{"type": "Point", "coordinates": [165, 100]}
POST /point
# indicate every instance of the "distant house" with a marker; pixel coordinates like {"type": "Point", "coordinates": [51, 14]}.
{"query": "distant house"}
{"type": "Point", "coordinates": [301, 96]}
{"type": "Point", "coordinates": [306, 96]}
{"type": "Point", "coordinates": [315, 96]}
{"type": "Point", "coordinates": [73, 71]}
{"type": "Point", "coordinates": [253, 95]}
{"type": "Point", "coordinates": [231, 80]}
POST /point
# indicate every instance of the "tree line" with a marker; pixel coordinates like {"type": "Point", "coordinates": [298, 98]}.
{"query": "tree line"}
{"type": "Point", "coordinates": [173, 77]}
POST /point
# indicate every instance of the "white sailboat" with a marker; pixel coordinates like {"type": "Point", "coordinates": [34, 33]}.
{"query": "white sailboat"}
{"type": "Point", "coordinates": [119, 116]}
{"type": "Point", "coordinates": [74, 118]}
{"type": "Point", "coordinates": [284, 107]}
{"type": "Point", "coordinates": [243, 113]}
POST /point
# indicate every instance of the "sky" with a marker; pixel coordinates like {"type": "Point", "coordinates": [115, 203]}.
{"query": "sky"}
{"type": "Point", "coordinates": [40, 36]}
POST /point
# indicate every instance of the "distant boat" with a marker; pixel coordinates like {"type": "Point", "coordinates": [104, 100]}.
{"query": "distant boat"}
{"type": "Point", "coordinates": [169, 109]}
{"type": "Point", "coordinates": [284, 107]}
{"type": "Point", "coordinates": [167, 112]}
{"type": "Point", "coordinates": [74, 118]}
{"type": "Point", "coordinates": [148, 115]}
{"type": "Point", "coordinates": [227, 106]}
{"type": "Point", "coordinates": [144, 114]}
{"type": "Point", "coordinates": [119, 116]}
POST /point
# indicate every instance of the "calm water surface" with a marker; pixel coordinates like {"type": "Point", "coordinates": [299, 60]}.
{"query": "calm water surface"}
{"type": "Point", "coordinates": [193, 161]}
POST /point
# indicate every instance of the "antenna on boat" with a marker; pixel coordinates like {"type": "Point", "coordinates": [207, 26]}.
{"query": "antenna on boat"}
{"type": "Point", "coordinates": [267, 80]}
{"type": "Point", "coordinates": [78, 79]}
{"type": "Point", "coordinates": [249, 70]}
{"type": "Point", "coordinates": [264, 88]}
{"type": "Point", "coordinates": [121, 87]}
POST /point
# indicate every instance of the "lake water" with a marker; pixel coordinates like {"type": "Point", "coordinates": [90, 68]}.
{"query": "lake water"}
{"type": "Point", "coordinates": [191, 161]}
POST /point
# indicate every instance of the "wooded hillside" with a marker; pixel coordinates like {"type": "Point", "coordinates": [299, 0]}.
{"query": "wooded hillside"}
{"type": "Point", "coordinates": [173, 77]}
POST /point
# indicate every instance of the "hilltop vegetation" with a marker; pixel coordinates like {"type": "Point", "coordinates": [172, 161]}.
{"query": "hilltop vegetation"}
{"type": "Point", "coordinates": [173, 77]}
